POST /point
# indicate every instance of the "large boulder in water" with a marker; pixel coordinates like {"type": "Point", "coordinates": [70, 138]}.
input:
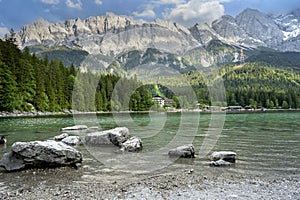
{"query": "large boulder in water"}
{"type": "Point", "coordinates": [186, 151]}
{"type": "Point", "coordinates": [40, 154]}
{"type": "Point", "coordinates": [134, 144]}
{"type": "Point", "coordinates": [114, 136]}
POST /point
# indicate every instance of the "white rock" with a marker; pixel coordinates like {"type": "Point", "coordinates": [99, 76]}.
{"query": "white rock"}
{"type": "Point", "coordinates": [133, 144]}
{"type": "Point", "coordinates": [72, 140]}
{"type": "Point", "coordinates": [75, 128]}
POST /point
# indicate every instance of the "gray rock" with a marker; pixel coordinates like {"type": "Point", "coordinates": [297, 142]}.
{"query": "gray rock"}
{"type": "Point", "coordinates": [40, 154]}
{"type": "Point", "coordinates": [72, 140]}
{"type": "Point", "coordinates": [12, 161]}
{"type": "Point", "coordinates": [134, 144]}
{"type": "Point", "coordinates": [75, 128]}
{"type": "Point", "coordinates": [186, 151]}
{"type": "Point", "coordinates": [260, 26]}
{"type": "Point", "coordinates": [60, 137]}
{"type": "Point", "coordinates": [109, 33]}
{"type": "Point", "coordinates": [228, 156]}
{"type": "Point", "coordinates": [114, 136]}
{"type": "Point", "coordinates": [220, 163]}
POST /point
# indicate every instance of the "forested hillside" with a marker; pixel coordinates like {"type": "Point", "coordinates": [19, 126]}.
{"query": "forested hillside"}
{"type": "Point", "coordinates": [258, 85]}
{"type": "Point", "coordinates": [28, 83]}
{"type": "Point", "coordinates": [252, 84]}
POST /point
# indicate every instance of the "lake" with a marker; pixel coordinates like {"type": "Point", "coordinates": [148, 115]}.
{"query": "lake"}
{"type": "Point", "coordinates": [266, 143]}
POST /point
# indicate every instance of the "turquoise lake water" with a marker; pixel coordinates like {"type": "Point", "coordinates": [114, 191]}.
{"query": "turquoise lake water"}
{"type": "Point", "coordinates": [267, 143]}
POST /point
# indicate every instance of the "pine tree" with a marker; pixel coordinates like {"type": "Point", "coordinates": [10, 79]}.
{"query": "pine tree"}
{"type": "Point", "coordinates": [8, 89]}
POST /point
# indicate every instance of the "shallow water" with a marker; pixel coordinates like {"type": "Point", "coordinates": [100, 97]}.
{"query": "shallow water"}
{"type": "Point", "coordinates": [267, 143]}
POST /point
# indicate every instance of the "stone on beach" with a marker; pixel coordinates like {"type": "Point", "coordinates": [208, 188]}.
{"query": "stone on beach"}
{"type": "Point", "coordinates": [186, 151]}
{"type": "Point", "coordinates": [134, 144]}
{"type": "Point", "coordinates": [75, 128]}
{"type": "Point", "coordinates": [40, 154]}
{"type": "Point", "coordinates": [114, 136]}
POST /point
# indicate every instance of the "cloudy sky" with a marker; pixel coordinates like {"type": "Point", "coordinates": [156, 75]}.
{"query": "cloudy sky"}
{"type": "Point", "coordinates": [15, 13]}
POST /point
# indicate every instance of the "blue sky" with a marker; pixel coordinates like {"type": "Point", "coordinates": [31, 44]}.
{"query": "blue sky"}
{"type": "Point", "coordinates": [15, 13]}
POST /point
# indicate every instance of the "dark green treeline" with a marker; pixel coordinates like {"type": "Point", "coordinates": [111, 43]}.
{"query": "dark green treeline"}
{"type": "Point", "coordinates": [251, 84]}
{"type": "Point", "coordinates": [28, 83]}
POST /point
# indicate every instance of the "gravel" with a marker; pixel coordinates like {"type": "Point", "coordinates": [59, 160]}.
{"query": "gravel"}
{"type": "Point", "coordinates": [69, 183]}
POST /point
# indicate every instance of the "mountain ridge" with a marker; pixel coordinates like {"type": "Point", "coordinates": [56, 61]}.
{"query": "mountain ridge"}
{"type": "Point", "coordinates": [113, 34]}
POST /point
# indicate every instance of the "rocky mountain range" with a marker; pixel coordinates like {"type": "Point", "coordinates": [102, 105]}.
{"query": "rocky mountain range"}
{"type": "Point", "coordinates": [98, 34]}
{"type": "Point", "coordinates": [111, 36]}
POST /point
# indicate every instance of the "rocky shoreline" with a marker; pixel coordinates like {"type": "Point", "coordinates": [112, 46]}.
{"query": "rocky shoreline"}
{"type": "Point", "coordinates": [4, 114]}
{"type": "Point", "coordinates": [175, 185]}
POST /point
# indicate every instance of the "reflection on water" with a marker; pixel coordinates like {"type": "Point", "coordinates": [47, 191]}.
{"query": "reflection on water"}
{"type": "Point", "coordinates": [266, 143]}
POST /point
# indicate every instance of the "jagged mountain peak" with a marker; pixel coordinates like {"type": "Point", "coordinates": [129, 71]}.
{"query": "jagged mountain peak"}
{"type": "Point", "coordinates": [251, 11]}
{"type": "Point", "coordinates": [296, 13]}
{"type": "Point", "coordinates": [260, 26]}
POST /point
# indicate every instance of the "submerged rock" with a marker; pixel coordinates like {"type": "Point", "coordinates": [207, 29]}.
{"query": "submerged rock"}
{"type": "Point", "coordinates": [114, 136]}
{"type": "Point", "coordinates": [134, 144]}
{"type": "Point", "coordinates": [40, 154]}
{"type": "Point", "coordinates": [228, 156]}
{"type": "Point", "coordinates": [75, 128]}
{"type": "Point", "coordinates": [93, 129]}
{"type": "Point", "coordinates": [186, 151]}
{"type": "Point", "coordinates": [220, 163]}
{"type": "Point", "coordinates": [222, 158]}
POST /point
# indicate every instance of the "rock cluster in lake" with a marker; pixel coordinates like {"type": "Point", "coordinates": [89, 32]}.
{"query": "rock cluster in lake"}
{"type": "Point", "coordinates": [59, 150]}
{"type": "Point", "coordinates": [69, 140]}
{"type": "Point", "coordinates": [118, 136]}
{"type": "Point", "coordinates": [40, 154]}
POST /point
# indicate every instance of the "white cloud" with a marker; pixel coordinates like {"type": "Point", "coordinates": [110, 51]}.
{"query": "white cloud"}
{"type": "Point", "coordinates": [76, 5]}
{"type": "Point", "coordinates": [52, 2]}
{"type": "Point", "coordinates": [164, 2]}
{"type": "Point", "coordinates": [149, 13]}
{"type": "Point", "coordinates": [98, 2]}
{"type": "Point", "coordinates": [3, 31]}
{"type": "Point", "coordinates": [196, 11]}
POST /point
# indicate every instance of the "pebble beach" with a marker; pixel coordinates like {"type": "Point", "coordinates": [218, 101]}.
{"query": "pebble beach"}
{"type": "Point", "coordinates": [69, 183]}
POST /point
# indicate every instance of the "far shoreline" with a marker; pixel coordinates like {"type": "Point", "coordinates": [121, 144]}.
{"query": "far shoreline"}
{"type": "Point", "coordinates": [17, 114]}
